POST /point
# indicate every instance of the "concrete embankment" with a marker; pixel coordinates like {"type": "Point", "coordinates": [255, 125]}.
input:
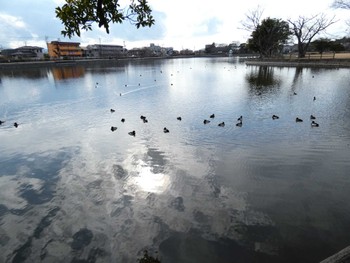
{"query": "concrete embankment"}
{"type": "Point", "coordinates": [65, 63]}
{"type": "Point", "coordinates": [321, 63]}
{"type": "Point", "coordinates": [59, 63]}
{"type": "Point", "coordinates": [343, 256]}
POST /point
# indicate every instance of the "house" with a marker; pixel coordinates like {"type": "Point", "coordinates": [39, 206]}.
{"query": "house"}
{"type": "Point", "coordinates": [58, 49]}
{"type": "Point", "coordinates": [24, 53]}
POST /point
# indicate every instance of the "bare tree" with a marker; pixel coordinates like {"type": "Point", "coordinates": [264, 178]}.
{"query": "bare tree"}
{"type": "Point", "coordinates": [252, 19]}
{"type": "Point", "coordinates": [344, 4]}
{"type": "Point", "coordinates": [306, 28]}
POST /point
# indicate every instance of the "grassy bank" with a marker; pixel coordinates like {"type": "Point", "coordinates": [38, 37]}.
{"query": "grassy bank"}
{"type": "Point", "coordinates": [303, 63]}
{"type": "Point", "coordinates": [326, 60]}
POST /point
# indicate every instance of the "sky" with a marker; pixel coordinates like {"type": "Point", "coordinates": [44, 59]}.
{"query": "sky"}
{"type": "Point", "coordinates": [181, 24]}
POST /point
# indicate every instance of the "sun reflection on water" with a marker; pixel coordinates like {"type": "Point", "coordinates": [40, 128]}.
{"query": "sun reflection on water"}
{"type": "Point", "coordinates": [148, 181]}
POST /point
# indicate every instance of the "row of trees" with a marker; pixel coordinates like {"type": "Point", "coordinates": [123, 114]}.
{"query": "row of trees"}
{"type": "Point", "coordinates": [270, 34]}
{"type": "Point", "coordinates": [324, 44]}
{"type": "Point", "coordinates": [267, 35]}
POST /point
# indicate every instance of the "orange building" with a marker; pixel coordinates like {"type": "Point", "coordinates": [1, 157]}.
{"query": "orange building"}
{"type": "Point", "coordinates": [57, 49]}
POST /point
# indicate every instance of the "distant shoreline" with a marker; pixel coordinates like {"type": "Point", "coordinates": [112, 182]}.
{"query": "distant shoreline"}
{"type": "Point", "coordinates": [319, 63]}
{"type": "Point", "coordinates": [83, 62]}
{"type": "Point", "coordinates": [80, 62]}
{"type": "Point", "coordinates": [62, 63]}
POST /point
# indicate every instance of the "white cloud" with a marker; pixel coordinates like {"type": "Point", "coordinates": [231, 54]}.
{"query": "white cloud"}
{"type": "Point", "coordinates": [13, 31]}
{"type": "Point", "coordinates": [12, 21]}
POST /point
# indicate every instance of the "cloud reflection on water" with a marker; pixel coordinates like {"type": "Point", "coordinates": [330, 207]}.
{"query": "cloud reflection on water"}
{"type": "Point", "coordinates": [213, 190]}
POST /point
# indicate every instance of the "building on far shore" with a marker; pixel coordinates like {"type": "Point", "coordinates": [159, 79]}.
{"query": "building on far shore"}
{"type": "Point", "coordinates": [222, 49]}
{"type": "Point", "coordinates": [63, 50]}
{"type": "Point", "coordinates": [104, 51]}
{"type": "Point", "coordinates": [23, 53]}
{"type": "Point", "coordinates": [151, 51]}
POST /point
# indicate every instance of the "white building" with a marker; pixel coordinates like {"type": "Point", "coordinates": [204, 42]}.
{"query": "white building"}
{"type": "Point", "coordinates": [104, 51]}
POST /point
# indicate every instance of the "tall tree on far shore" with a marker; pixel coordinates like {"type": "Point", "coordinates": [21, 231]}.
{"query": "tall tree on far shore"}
{"type": "Point", "coordinates": [306, 28]}
{"type": "Point", "coordinates": [77, 15]}
{"type": "Point", "coordinates": [269, 37]}
{"type": "Point", "coordinates": [321, 45]}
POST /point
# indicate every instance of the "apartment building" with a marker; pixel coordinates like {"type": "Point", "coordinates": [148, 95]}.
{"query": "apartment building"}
{"type": "Point", "coordinates": [58, 49]}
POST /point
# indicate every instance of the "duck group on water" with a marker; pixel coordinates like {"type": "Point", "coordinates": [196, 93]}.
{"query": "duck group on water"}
{"type": "Point", "coordinates": [212, 116]}
{"type": "Point", "coordinates": [239, 122]}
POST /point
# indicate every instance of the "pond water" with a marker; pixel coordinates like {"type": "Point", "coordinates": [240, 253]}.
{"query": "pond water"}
{"type": "Point", "coordinates": [72, 190]}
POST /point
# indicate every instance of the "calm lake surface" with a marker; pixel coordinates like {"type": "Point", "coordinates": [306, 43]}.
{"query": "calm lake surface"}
{"type": "Point", "coordinates": [71, 190]}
